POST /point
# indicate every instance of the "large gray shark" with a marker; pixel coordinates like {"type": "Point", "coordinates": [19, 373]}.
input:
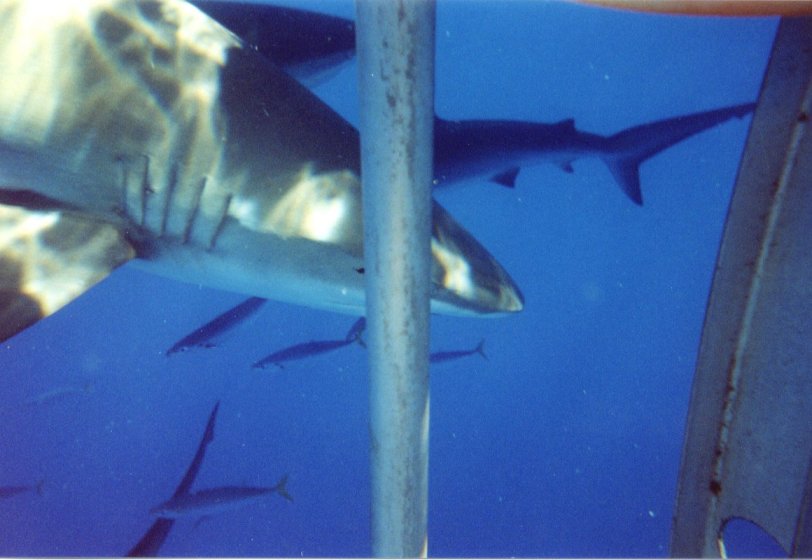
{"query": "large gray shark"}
{"type": "Point", "coordinates": [144, 130]}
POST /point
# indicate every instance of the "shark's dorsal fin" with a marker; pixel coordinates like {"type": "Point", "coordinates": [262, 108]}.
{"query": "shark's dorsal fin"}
{"type": "Point", "coordinates": [506, 178]}
{"type": "Point", "coordinates": [49, 258]}
{"type": "Point", "coordinates": [565, 125]}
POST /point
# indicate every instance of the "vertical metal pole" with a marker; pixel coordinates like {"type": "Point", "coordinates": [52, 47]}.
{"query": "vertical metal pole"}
{"type": "Point", "coordinates": [395, 42]}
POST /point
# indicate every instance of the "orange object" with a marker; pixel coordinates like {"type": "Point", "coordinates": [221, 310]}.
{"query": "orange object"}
{"type": "Point", "coordinates": [711, 7]}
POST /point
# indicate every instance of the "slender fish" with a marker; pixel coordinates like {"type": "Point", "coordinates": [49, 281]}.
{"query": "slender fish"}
{"type": "Point", "coordinates": [300, 351]}
{"type": "Point", "coordinates": [10, 491]}
{"type": "Point", "coordinates": [206, 336]}
{"type": "Point", "coordinates": [445, 356]}
{"type": "Point", "coordinates": [153, 539]}
{"type": "Point", "coordinates": [57, 393]}
{"type": "Point", "coordinates": [217, 500]}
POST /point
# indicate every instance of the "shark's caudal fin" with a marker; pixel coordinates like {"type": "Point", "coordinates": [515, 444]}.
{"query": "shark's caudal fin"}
{"type": "Point", "coordinates": [282, 490]}
{"type": "Point", "coordinates": [480, 349]}
{"type": "Point", "coordinates": [626, 150]}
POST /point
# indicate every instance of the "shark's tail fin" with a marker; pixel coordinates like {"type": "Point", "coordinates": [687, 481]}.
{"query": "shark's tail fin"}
{"type": "Point", "coordinates": [356, 332]}
{"type": "Point", "coordinates": [627, 149]}
{"type": "Point", "coordinates": [281, 488]}
{"type": "Point", "coordinates": [480, 349]}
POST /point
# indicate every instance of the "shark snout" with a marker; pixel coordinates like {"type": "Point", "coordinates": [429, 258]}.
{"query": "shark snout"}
{"type": "Point", "coordinates": [512, 300]}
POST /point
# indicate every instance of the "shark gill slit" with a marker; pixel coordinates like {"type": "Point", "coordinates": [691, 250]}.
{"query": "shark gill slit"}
{"type": "Point", "coordinates": [170, 191]}
{"type": "Point", "coordinates": [123, 210]}
{"type": "Point", "coordinates": [145, 190]}
{"type": "Point", "coordinates": [190, 219]}
{"type": "Point", "coordinates": [221, 223]}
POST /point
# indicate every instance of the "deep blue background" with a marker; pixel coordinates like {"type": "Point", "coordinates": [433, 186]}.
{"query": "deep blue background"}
{"type": "Point", "coordinates": [565, 442]}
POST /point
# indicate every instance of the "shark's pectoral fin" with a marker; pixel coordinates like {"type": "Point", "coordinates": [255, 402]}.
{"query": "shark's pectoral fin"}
{"type": "Point", "coordinates": [506, 178]}
{"type": "Point", "coordinates": [49, 258]}
{"type": "Point", "coordinates": [566, 126]}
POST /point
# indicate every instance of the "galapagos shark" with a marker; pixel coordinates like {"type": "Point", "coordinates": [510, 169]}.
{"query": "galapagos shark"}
{"type": "Point", "coordinates": [144, 130]}
{"type": "Point", "coordinates": [305, 43]}
{"type": "Point", "coordinates": [497, 149]}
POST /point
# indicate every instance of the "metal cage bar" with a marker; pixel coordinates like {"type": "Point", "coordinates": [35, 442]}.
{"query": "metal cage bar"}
{"type": "Point", "coordinates": [395, 42]}
{"type": "Point", "coordinates": [748, 441]}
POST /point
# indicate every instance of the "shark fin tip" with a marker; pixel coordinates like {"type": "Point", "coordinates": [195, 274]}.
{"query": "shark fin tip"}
{"type": "Point", "coordinates": [506, 178]}
{"type": "Point", "coordinates": [480, 349]}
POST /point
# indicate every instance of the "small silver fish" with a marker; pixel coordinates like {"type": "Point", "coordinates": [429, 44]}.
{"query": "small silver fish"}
{"type": "Point", "coordinates": [219, 499]}
{"type": "Point", "coordinates": [445, 356]}
{"type": "Point", "coordinates": [10, 491]}
{"type": "Point", "coordinates": [207, 335]}
{"type": "Point", "coordinates": [150, 543]}
{"type": "Point", "coordinates": [300, 351]}
{"type": "Point", "coordinates": [59, 392]}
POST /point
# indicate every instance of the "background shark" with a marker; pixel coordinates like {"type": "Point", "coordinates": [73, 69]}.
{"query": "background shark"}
{"type": "Point", "coordinates": [145, 130]}
{"type": "Point", "coordinates": [497, 149]}
{"type": "Point", "coordinates": [306, 43]}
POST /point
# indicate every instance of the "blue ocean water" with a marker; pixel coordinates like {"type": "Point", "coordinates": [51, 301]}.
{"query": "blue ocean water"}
{"type": "Point", "coordinates": [564, 442]}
